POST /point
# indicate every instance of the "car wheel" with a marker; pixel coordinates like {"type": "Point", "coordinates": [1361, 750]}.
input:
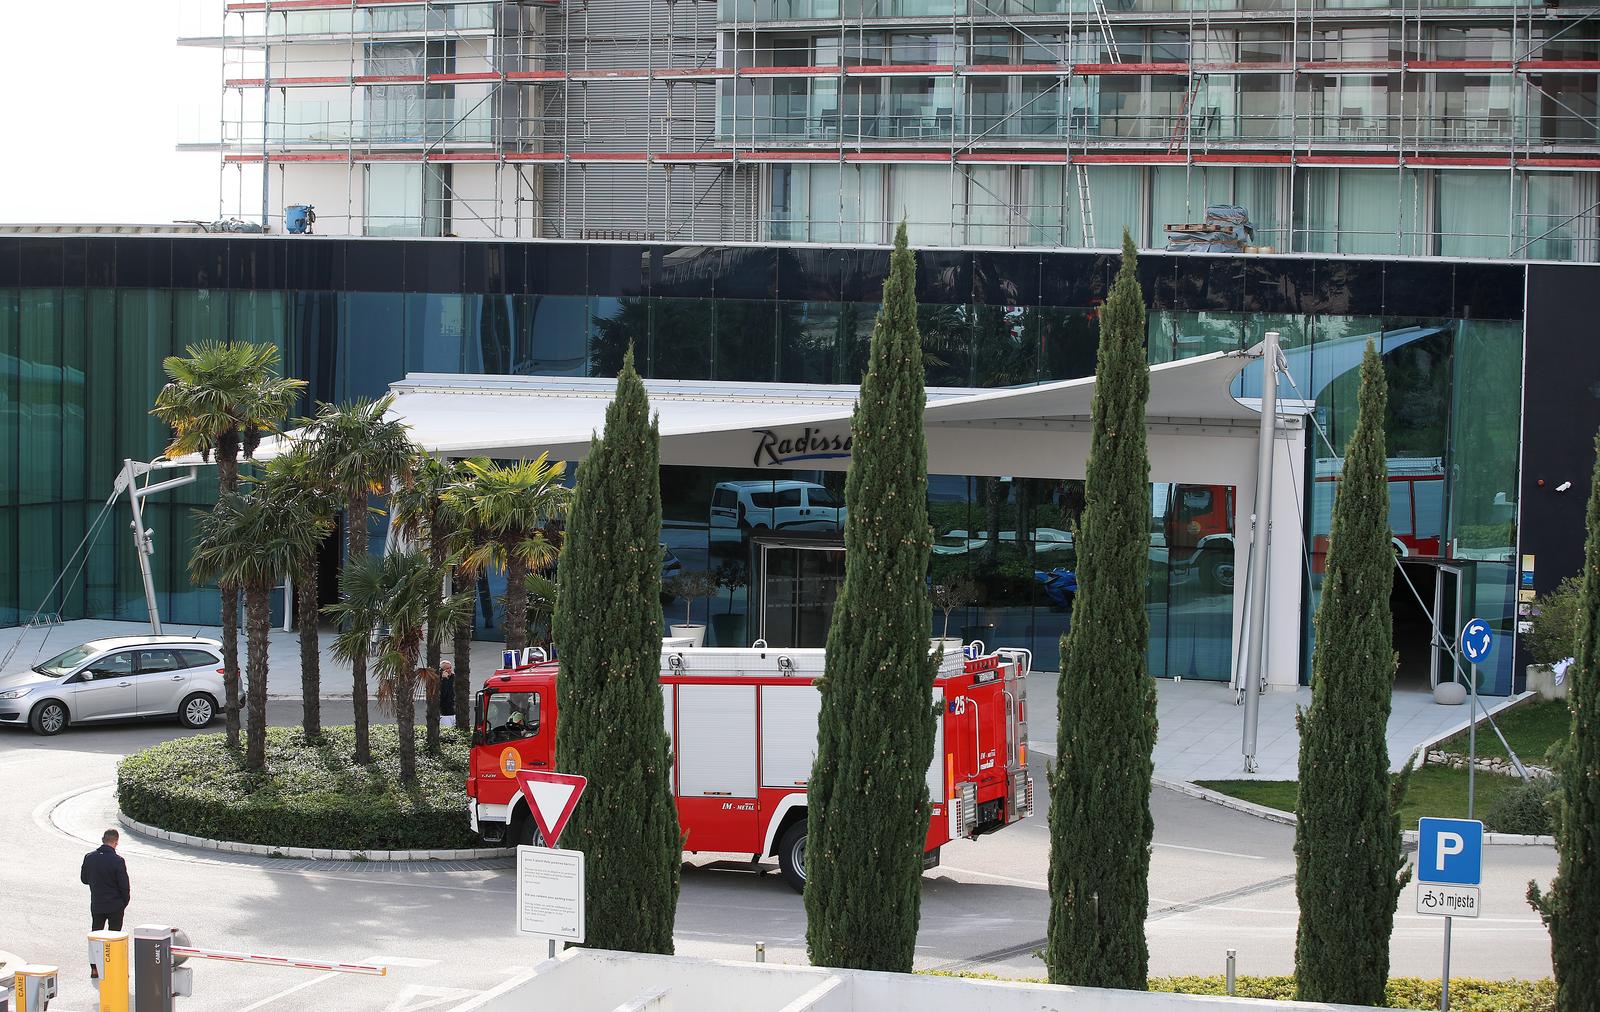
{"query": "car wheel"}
{"type": "Point", "coordinates": [197, 710]}
{"type": "Point", "coordinates": [48, 718]}
{"type": "Point", "coordinates": [1219, 573]}
{"type": "Point", "coordinates": [792, 855]}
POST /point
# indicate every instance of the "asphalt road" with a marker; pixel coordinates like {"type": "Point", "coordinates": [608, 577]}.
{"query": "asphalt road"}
{"type": "Point", "coordinates": [1219, 880]}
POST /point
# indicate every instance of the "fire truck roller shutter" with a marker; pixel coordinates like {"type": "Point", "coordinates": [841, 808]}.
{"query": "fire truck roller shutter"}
{"type": "Point", "coordinates": [789, 716]}
{"type": "Point", "coordinates": [717, 741]}
{"type": "Point", "coordinates": [672, 745]}
{"type": "Point", "coordinates": [938, 790]}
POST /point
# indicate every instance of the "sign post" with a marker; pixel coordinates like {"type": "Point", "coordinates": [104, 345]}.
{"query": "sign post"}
{"type": "Point", "coordinates": [550, 882]}
{"type": "Point", "coordinates": [1476, 642]}
{"type": "Point", "coordinates": [1449, 871]}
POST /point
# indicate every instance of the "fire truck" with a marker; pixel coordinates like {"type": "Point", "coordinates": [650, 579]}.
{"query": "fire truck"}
{"type": "Point", "coordinates": [743, 727]}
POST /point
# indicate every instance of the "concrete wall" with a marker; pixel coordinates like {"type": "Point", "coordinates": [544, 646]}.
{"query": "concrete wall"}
{"type": "Point", "coordinates": [597, 980]}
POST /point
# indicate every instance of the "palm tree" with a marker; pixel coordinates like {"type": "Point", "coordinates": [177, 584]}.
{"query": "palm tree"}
{"type": "Point", "coordinates": [294, 476]}
{"type": "Point", "coordinates": [399, 594]}
{"type": "Point", "coordinates": [359, 450]}
{"type": "Point", "coordinates": [220, 399]}
{"type": "Point", "coordinates": [509, 515]}
{"type": "Point", "coordinates": [423, 516]}
{"type": "Point", "coordinates": [251, 541]}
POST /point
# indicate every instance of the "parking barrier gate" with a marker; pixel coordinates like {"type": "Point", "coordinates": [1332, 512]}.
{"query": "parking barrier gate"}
{"type": "Point", "coordinates": [159, 976]}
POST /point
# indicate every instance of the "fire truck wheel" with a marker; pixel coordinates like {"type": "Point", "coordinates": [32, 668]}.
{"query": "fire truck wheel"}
{"type": "Point", "coordinates": [526, 834]}
{"type": "Point", "coordinates": [792, 855]}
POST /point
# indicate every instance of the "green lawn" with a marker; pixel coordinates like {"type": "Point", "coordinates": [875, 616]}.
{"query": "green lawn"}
{"type": "Point", "coordinates": [1434, 791]}
{"type": "Point", "coordinates": [1531, 729]}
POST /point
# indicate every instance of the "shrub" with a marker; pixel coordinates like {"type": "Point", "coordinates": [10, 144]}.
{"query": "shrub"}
{"type": "Point", "coordinates": [1467, 994]}
{"type": "Point", "coordinates": [1525, 808]}
{"type": "Point", "coordinates": [309, 796]}
{"type": "Point", "coordinates": [1554, 636]}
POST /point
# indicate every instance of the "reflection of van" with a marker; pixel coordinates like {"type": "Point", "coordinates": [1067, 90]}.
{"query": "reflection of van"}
{"type": "Point", "coordinates": [763, 506]}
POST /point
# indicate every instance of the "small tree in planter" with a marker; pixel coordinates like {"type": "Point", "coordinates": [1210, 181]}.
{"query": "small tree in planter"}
{"type": "Point", "coordinates": [689, 586]}
{"type": "Point", "coordinates": [954, 593]}
{"type": "Point", "coordinates": [728, 627]}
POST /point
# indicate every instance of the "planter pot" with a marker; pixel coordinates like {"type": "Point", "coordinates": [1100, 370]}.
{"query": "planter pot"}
{"type": "Point", "coordinates": [728, 630]}
{"type": "Point", "coordinates": [692, 632]}
{"type": "Point", "coordinates": [951, 645]}
{"type": "Point", "coordinates": [1542, 679]}
{"type": "Point", "coordinates": [1450, 694]}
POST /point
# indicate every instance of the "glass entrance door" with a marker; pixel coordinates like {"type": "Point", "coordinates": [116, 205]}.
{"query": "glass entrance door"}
{"type": "Point", "coordinates": [1448, 615]}
{"type": "Point", "coordinates": [799, 586]}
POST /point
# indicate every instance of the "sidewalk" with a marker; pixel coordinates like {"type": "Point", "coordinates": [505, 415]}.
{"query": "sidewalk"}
{"type": "Point", "coordinates": [283, 652]}
{"type": "Point", "coordinates": [1201, 728]}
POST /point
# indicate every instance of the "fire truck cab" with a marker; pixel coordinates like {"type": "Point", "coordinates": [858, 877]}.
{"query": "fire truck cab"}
{"type": "Point", "coordinates": [743, 727]}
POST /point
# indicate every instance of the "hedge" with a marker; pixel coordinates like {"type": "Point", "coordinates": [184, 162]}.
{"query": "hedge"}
{"type": "Point", "coordinates": [310, 796]}
{"type": "Point", "coordinates": [1467, 994]}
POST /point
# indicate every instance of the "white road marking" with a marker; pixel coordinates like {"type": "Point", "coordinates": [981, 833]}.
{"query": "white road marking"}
{"type": "Point", "coordinates": [421, 996]}
{"type": "Point", "coordinates": [407, 961]}
{"type": "Point", "coordinates": [1219, 853]}
{"type": "Point", "coordinates": [998, 878]}
{"type": "Point", "coordinates": [288, 991]}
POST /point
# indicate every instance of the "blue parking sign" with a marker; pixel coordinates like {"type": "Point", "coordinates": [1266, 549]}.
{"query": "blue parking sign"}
{"type": "Point", "coordinates": [1450, 851]}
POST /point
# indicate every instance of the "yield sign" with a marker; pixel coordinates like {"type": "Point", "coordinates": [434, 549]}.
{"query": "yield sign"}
{"type": "Point", "coordinates": [551, 798]}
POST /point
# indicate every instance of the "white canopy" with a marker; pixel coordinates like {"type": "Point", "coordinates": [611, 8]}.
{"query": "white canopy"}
{"type": "Point", "coordinates": [1199, 432]}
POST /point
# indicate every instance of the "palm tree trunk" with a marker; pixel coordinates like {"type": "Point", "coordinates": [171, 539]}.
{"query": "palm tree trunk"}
{"type": "Point", "coordinates": [405, 719]}
{"type": "Point", "coordinates": [228, 481]}
{"type": "Point", "coordinates": [435, 648]}
{"type": "Point", "coordinates": [355, 521]}
{"type": "Point", "coordinates": [258, 618]}
{"type": "Point", "coordinates": [516, 620]}
{"type": "Point", "coordinates": [310, 653]}
{"type": "Point", "coordinates": [461, 647]}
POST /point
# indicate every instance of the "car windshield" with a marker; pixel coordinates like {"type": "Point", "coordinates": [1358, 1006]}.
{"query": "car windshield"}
{"type": "Point", "coordinates": [64, 662]}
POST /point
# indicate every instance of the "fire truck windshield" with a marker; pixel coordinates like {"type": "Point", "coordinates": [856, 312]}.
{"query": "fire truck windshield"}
{"type": "Point", "coordinates": [508, 716]}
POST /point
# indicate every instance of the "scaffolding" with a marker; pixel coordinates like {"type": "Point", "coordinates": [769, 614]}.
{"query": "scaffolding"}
{"type": "Point", "coordinates": [993, 122]}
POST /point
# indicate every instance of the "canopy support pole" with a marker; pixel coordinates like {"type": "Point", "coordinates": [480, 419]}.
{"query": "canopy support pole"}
{"type": "Point", "coordinates": [143, 538]}
{"type": "Point", "coordinates": [1260, 539]}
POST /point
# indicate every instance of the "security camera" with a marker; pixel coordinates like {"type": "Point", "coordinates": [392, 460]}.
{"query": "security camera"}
{"type": "Point", "coordinates": [1564, 486]}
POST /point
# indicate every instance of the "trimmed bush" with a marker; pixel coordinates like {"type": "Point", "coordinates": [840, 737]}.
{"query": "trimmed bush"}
{"type": "Point", "coordinates": [1526, 808]}
{"type": "Point", "coordinates": [309, 796]}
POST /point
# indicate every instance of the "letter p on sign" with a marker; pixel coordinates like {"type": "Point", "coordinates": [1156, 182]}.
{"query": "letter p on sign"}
{"type": "Point", "coordinates": [1450, 851]}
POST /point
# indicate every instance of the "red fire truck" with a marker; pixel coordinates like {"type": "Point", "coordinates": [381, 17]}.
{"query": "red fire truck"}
{"type": "Point", "coordinates": [743, 725]}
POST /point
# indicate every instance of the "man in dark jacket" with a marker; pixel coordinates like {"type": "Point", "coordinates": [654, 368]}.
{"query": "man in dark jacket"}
{"type": "Point", "coordinates": [106, 875]}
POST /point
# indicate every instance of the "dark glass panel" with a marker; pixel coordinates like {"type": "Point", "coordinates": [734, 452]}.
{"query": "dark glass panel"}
{"type": "Point", "coordinates": [615, 325]}
{"type": "Point", "coordinates": [372, 343]}
{"type": "Point", "coordinates": [863, 271]}
{"type": "Point", "coordinates": [143, 339]}
{"type": "Point", "coordinates": [11, 371]}
{"type": "Point", "coordinates": [1276, 284]}
{"type": "Point", "coordinates": [1067, 339]}
{"type": "Point", "coordinates": [100, 263]}
{"type": "Point", "coordinates": [685, 272]}
{"type": "Point", "coordinates": [1158, 278]}
{"type": "Point", "coordinates": [10, 610]}
{"type": "Point", "coordinates": [200, 315]}
{"type": "Point", "coordinates": [41, 262]}
{"type": "Point", "coordinates": [74, 261]}
{"type": "Point", "coordinates": [1348, 288]}
{"type": "Point", "coordinates": [1005, 279]}
{"type": "Point", "coordinates": [320, 265]}
{"type": "Point", "coordinates": [809, 341]}
{"type": "Point", "coordinates": [497, 338]}
{"type": "Point", "coordinates": [74, 398]}
{"type": "Point", "coordinates": [1482, 291]}
{"type": "Point", "coordinates": [552, 335]}
{"type": "Point", "coordinates": [748, 272]}
{"type": "Point", "coordinates": [199, 262]}
{"type": "Point", "coordinates": [747, 342]}
{"type": "Point", "coordinates": [616, 271]}
{"type": "Point", "coordinates": [681, 338]}
{"type": "Point", "coordinates": [373, 265]}
{"type": "Point", "coordinates": [1419, 288]}
{"type": "Point", "coordinates": [1004, 353]}
{"type": "Point", "coordinates": [442, 334]}
{"type": "Point", "coordinates": [1204, 284]}
{"type": "Point", "coordinates": [944, 276]}
{"type": "Point", "coordinates": [10, 262]}
{"type": "Point", "coordinates": [946, 343]}
{"type": "Point", "coordinates": [1076, 279]}
{"type": "Point", "coordinates": [810, 274]}
{"type": "Point", "coordinates": [432, 266]}
{"type": "Point", "coordinates": [257, 264]}
{"type": "Point", "coordinates": [143, 261]}
{"type": "Point", "coordinates": [557, 268]}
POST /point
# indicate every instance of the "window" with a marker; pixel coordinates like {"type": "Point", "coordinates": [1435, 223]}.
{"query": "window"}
{"type": "Point", "coordinates": [65, 661]}
{"type": "Point", "coordinates": [198, 659]}
{"type": "Point", "coordinates": [723, 498]}
{"type": "Point", "coordinates": [155, 662]}
{"type": "Point", "coordinates": [113, 666]}
{"type": "Point", "coordinates": [824, 497]}
{"type": "Point", "coordinates": [511, 716]}
{"type": "Point", "coordinates": [407, 199]}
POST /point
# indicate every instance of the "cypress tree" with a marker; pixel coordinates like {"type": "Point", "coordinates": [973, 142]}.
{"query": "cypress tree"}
{"type": "Point", "coordinates": [1571, 909]}
{"type": "Point", "coordinates": [612, 730]}
{"type": "Point", "coordinates": [1100, 823]}
{"type": "Point", "coordinates": [1348, 861]}
{"type": "Point", "coordinates": [867, 813]}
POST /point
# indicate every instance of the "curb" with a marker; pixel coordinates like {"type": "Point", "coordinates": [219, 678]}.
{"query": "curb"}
{"type": "Point", "coordinates": [1420, 755]}
{"type": "Point", "coordinates": [1288, 818]}
{"type": "Point", "coordinates": [309, 853]}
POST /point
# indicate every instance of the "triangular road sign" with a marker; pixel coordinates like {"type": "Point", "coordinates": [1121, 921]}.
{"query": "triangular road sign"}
{"type": "Point", "coordinates": [551, 799]}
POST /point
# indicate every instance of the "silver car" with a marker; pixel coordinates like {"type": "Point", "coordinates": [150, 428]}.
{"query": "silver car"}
{"type": "Point", "coordinates": [127, 678]}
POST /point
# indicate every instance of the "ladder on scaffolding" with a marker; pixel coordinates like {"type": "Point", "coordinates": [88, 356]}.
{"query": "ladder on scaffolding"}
{"type": "Point", "coordinates": [1085, 205]}
{"type": "Point", "coordinates": [1180, 122]}
{"type": "Point", "coordinates": [1104, 21]}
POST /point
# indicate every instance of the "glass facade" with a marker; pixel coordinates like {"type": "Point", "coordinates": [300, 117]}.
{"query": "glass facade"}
{"type": "Point", "coordinates": [85, 323]}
